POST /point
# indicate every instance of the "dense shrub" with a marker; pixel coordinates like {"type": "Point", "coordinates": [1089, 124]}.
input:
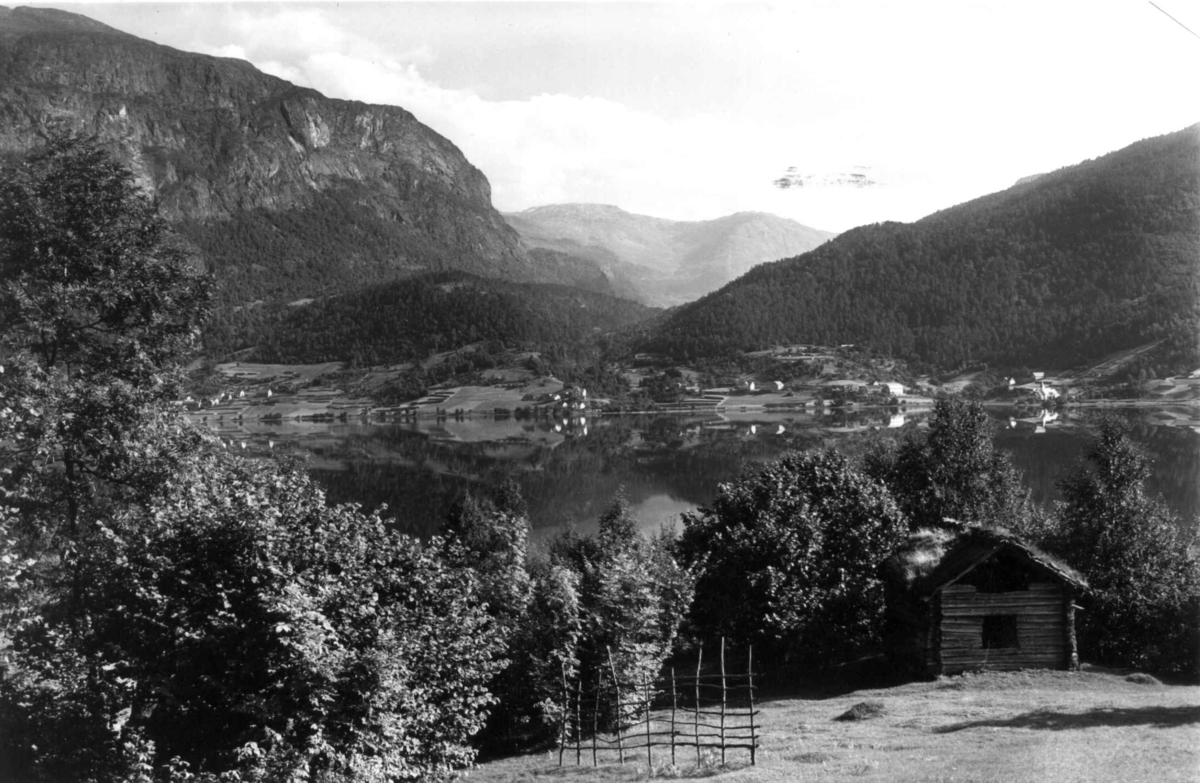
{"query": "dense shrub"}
{"type": "Point", "coordinates": [489, 536]}
{"type": "Point", "coordinates": [562, 612]}
{"type": "Point", "coordinates": [164, 608]}
{"type": "Point", "coordinates": [786, 558]}
{"type": "Point", "coordinates": [241, 624]}
{"type": "Point", "coordinates": [632, 597]}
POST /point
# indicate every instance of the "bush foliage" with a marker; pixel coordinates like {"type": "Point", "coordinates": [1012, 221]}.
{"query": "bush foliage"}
{"type": "Point", "coordinates": [240, 623]}
{"type": "Point", "coordinates": [786, 558]}
{"type": "Point", "coordinates": [166, 610]}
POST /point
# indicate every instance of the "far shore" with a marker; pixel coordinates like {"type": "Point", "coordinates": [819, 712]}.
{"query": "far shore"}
{"type": "Point", "coordinates": [304, 393]}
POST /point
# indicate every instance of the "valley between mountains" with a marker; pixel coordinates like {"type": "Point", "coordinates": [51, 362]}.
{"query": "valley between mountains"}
{"type": "Point", "coordinates": [345, 232]}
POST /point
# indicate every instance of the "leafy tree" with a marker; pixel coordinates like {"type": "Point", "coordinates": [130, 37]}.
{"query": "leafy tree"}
{"type": "Point", "coordinates": [92, 283]}
{"type": "Point", "coordinates": [490, 537]}
{"type": "Point", "coordinates": [664, 388]}
{"type": "Point", "coordinates": [632, 596]}
{"type": "Point", "coordinates": [561, 614]}
{"type": "Point", "coordinates": [405, 387]}
{"type": "Point", "coordinates": [1144, 604]}
{"type": "Point", "coordinates": [544, 647]}
{"type": "Point", "coordinates": [535, 605]}
{"type": "Point", "coordinates": [96, 304]}
{"type": "Point", "coordinates": [164, 607]}
{"type": "Point", "coordinates": [241, 624]}
{"type": "Point", "coordinates": [953, 471]}
{"type": "Point", "coordinates": [786, 558]}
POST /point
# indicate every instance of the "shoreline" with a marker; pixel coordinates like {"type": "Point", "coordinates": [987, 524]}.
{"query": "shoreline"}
{"type": "Point", "coordinates": [351, 409]}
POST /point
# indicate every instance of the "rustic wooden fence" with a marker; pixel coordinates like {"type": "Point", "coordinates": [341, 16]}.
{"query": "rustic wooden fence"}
{"type": "Point", "coordinates": [701, 710]}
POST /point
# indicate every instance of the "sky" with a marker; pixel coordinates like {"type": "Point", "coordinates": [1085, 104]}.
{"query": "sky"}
{"type": "Point", "coordinates": [834, 113]}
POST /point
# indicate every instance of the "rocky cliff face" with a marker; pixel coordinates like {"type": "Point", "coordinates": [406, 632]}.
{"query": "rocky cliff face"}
{"type": "Point", "coordinates": [288, 193]}
{"type": "Point", "coordinates": [669, 261]}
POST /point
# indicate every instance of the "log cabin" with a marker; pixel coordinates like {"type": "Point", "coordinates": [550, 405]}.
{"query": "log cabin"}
{"type": "Point", "coordinates": [972, 599]}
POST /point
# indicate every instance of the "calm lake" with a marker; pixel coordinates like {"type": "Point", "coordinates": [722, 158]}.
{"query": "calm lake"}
{"type": "Point", "coordinates": [670, 464]}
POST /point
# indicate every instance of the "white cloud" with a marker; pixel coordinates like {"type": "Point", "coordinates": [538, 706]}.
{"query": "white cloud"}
{"type": "Point", "coordinates": [228, 50]}
{"type": "Point", "coordinates": [549, 147]}
{"type": "Point", "coordinates": [937, 116]}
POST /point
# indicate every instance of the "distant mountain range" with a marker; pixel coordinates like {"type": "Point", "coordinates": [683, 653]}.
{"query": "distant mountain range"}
{"type": "Point", "coordinates": [1061, 269]}
{"type": "Point", "coordinates": [663, 262]}
{"type": "Point", "coordinates": [288, 194]}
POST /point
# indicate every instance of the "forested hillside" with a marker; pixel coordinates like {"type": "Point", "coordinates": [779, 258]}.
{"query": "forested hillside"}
{"type": "Point", "coordinates": [337, 246]}
{"type": "Point", "coordinates": [410, 318]}
{"type": "Point", "coordinates": [1089, 259]}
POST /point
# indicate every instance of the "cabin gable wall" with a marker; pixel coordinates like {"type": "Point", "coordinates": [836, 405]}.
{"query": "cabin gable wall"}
{"type": "Point", "coordinates": [1016, 629]}
{"type": "Point", "coordinates": [987, 602]}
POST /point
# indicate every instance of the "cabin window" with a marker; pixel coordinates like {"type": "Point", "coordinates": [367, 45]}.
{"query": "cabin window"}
{"type": "Point", "coordinates": [1000, 631]}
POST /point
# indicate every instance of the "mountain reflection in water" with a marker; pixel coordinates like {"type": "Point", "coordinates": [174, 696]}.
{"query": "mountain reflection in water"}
{"type": "Point", "coordinates": [670, 464]}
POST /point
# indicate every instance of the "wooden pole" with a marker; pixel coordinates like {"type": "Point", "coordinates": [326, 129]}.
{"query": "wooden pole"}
{"type": "Point", "coordinates": [722, 701]}
{"type": "Point", "coordinates": [562, 726]}
{"type": "Point", "coordinates": [696, 713]}
{"type": "Point", "coordinates": [750, 680]}
{"type": "Point", "coordinates": [649, 755]}
{"type": "Point", "coordinates": [1072, 662]}
{"type": "Point", "coordinates": [674, 706]}
{"type": "Point", "coordinates": [617, 686]}
{"type": "Point", "coordinates": [578, 719]}
{"type": "Point", "coordinates": [596, 716]}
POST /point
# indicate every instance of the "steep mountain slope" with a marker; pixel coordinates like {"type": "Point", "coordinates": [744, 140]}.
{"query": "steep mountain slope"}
{"type": "Point", "coordinates": [406, 319]}
{"type": "Point", "coordinates": [287, 193]}
{"type": "Point", "coordinates": [668, 261]}
{"type": "Point", "coordinates": [1060, 269]}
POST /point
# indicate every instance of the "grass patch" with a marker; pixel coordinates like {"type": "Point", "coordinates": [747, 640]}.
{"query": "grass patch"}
{"type": "Point", "coordinates": [1094, 726]}
{"type": "Point", "coordinates": [814, 757]}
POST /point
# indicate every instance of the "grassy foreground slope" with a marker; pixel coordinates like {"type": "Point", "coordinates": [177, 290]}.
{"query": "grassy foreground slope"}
{"type": "Point", "coordinates": [1092, 726]}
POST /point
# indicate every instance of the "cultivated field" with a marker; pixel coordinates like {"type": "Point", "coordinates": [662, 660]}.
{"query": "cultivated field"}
{"type": "Point", "coordinates": [481, 399]}
{"type": "Point", "coordinates": [1094, 726]}
{"type": "Point", "coordinates": [258, 373]}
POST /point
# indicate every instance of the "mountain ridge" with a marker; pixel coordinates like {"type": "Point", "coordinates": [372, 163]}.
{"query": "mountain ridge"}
{"type": "Point", "coordinates": [286, 192]}
{"type": "Point", "coordinates": [670, 261]}
{"type": "Point", "coordinates": [29, 19]}
{"type": "Point", "coordinates": [1091, 258]}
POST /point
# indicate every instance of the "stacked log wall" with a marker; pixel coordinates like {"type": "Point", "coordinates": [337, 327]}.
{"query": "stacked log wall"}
{"type": "Point", "coordinates": [1041, 628]}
